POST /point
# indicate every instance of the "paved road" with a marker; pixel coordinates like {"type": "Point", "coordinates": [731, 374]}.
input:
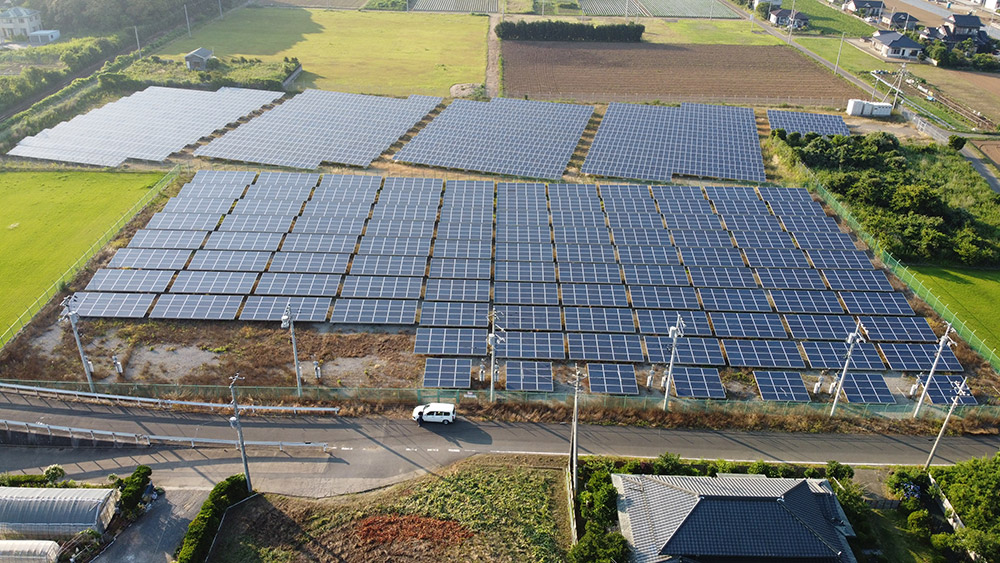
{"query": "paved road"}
{"type": "Point", "coordinates": [371, 452]}
{"type": "Point", "coordinates": [981, 167]}
{"type": "Point", "coordinates": [155, 536]}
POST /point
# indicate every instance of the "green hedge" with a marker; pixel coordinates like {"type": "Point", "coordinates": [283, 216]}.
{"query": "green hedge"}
{"type": "Point", "coordinates": [132, 489]}
{"type": "Point", "coordinates": [565, 31]}
{"type": "Point", "coordinates": [201, 532]}
{"type": "Point", "coordinates": [7, 480]}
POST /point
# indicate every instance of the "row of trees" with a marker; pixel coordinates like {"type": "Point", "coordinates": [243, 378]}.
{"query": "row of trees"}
{"type": "Point", "coordinates": [565, 31]}
{"type": "Point", "coordinates": [110, 16]}
{"type": "Point", "coordinates": [922, 203]}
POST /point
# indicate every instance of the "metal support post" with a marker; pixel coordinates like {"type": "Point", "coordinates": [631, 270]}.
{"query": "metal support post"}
{"type": "Point", "coordinates": [235, 423]}
{"type": "Point", "coordinates": [288, 321]}
{"type": "Point", "coordinates": [960, 391]}
{"type": "Point", "coordinates": [942, 342]}
{"type": "Point", "coordinates": [852, 339]}
{"type": "Point", "coordinates": [70, 312]}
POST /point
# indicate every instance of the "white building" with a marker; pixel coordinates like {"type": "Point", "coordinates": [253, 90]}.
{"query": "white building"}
{"type": "Point", "coordinates": [18, 22]}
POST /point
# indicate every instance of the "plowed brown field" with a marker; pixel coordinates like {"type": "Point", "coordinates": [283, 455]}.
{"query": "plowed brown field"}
{"type": "Point", "coordinates": [647, 72]}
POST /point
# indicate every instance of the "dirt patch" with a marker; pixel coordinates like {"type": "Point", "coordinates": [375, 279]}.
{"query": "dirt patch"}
{"type": "Point", "coordinates": [991, 149]}
{"type": "Point", "coordinates": [391, 529]}
{"type": "Point", "coordinates": [648, 72]}
{"type": "Point", "coordinates": [463, 90]}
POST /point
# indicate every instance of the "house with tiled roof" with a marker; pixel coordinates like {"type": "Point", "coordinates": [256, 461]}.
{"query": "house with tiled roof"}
{"type": "Point", "coordinates": [745, 518]}
{"type": "Point", "coordinates": [956, 29]}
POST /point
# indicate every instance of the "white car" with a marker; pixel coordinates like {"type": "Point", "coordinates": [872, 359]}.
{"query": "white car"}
{"type": "Point", "coordinates": [436, 412]}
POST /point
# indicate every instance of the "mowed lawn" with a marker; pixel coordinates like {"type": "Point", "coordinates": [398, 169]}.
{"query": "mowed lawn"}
{"type": "Point", "coordinates": [852, 59]}
{"type": "Point", "coordinates": [974, 295]}
{"type": "Point", "coordinates": [49, 220]}
{"type": "Point", "coordinates": [388, 53]}
{"type": "Point", "coordinates": [706, 32]}
{"type": "Point", "coordinates": [827, 20]}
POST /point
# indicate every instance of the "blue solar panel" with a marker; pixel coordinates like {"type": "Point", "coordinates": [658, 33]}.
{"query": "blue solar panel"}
{"type": "Point", "coordinates": [790, 278]}
{"type": "Point", "coordinates": [698, 383]}
{"type": "Point", "coordinates": [238, 283]}
{"type": "Point", "coordinates": [529, 376]}
{"type": "Point", "coordinates": [692, 222]}
{"type": "Point", "coordinates": [867, 388]}
{"type": "Point", "coordinates": [918, 357]}
{"type": "Point", "coordinates": [729, 257]}
{"type": "Point", "coordinates": [450, 342]}
{"type": "Point", "coordinates": [399, 228]}
{"type": "Point", "coordinates": [802, 122]}
{"type": "Point", "coordinates": [763, 239]}
{"type": "Point", "coordinates": [641, 237]}
{"type": "Point", "coordinates": [858, 280]}
{"type": "Point", "coordinates": [655, 142]}
{"type": "Point", "coordinates": [112, 305]}
{"type": "Point", "coordinates": [309, 262]}
{"type": "Point", "coordinates": [457, 290]}
{"type": "Point", "coordinates": [810, 223]}
{"type": "Point", "coordinates": [731, 192]}
{"type": "Point", "coordinates": [504, 136]}
{"type": "Point", "coordinates": [450, 248]}
{"type": "Point", "coordinates": [329, 225]}
{"type": "Point", "coordinates": [448, 373]}
{"type": "Point", "coordinates": [635, 220]}
{"type": "Point", "coordinates": [374, 311]}
{"type": "Point", "coordinates": [319, 285]}
{"type": "Point", "coordinates": [228, 260]}
{"type": "Point", "coordinates": [457, 314]}
{"type": "Point", "coordinates": [149, 238]}
{"type": "Point", "coordinates": [529, 317]}
{"type": "Point", "coordinates": [525, 293]}
{"type": "Point", "coordinates": [600, 319]}
{"type": "Point", "coordinates": [532, 345]}
{"type": "Point", "coordinates": [652, 274]}
{"type": "Point", "coordinates": [659, 321]}
{"type": "Point", "coordinates": [372, 265]}
{"type": "Point", "coordinates": [585, 253]}
{"type": "Point", "coordinates": [752, 222]}
{"type": "Point", "coordinates": [775, 193]}
{"type": "Point", "coordinates": [395, 246]}
{"type": "Point", "coordinates": [831, 355]}
{"type": "Point", "coordinates": [648, 255]}
{"type": "Point", "coordinates": [781, 386]}
{"type": "Point", "coordinates": [580, 272]}
{"type": "Point", "coordinates": [577, 218]}
{"type": "Point", "coordinates": [296, 242]}
{"type": "Point", "coordinates": [669, 193]}
{"type": "Point", "coordinates": [524, 272]}
{"type": "Point", "coordinates": [522, 217]}
{"type": "Point", "coordinates": [690, 351]}
{"type": "Point", "coordinates": [719, 239]}
{"type": "Point", "coordinates": [722, 277]}
{"type": "Point", "coordinates": [605, 347]}
{"type": "Point", "coordinates": [876, 303]}
{"type": "Point", "coordinates": [748, 325]}
{"type": "Point", "coordinates": [740, 206]}
{"type": "Point", "coordinates": [184, 221]}
{"type": "Point", "coordinates": [592, 295]}
{"type": "Point", "coordinates": [146, 281]}
{"type": "Point", "coordinates": [243, 241]}
{"type": "Point", "coordinates": [942, 390]}
{"type": "Point", "coordinates": [796, 301]}
{"type": "Point", "coordinates": [663, 297]}
{"type": "Point", "coordinates": [785, 207]}
{"type": "Point", "coordinates": [272, 308]}
{"type": "Point", "coordinates": [460, 268]}
{"type": "Point", "coordinates": [613, 379]}
{"type": "Point", "coordinates": [900, 329]}
{"type": "Point", "coordinates": [825, 241]}
{"type": "Point", "coordinates": [523, 233]}
{"type": "Point", "coordinates": [196, 307]}
{"type": "Point", "coordinates": [763, 354]}
{"type": "Point", "coordinates": [820, 327]}
{"type": "Point", "coordinates": [776, 258]}
{"type": "Point", "coordinates": [744, 300]}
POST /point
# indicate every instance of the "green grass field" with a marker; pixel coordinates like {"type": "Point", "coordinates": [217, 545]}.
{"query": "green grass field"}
{"type": "Point", "coordinates": [362, 52]}
{"type": "Point", "coordinates": [706, 32]}
{"type": "Point", "coordinates": [852, 59]}
{"type": "Point", "coordinates": [50, 219]}
{"type": "Point", "coordinates": [974, 295]}
{"type": "Point", "coordinates": [826, 20]}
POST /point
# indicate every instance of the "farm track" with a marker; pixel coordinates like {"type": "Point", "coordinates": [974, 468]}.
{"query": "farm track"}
{"type": "Point", "coordinates": [647, 72]}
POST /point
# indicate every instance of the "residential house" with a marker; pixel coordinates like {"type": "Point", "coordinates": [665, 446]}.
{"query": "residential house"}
{"type": "Point", "coordinates": [198, 59]}
{"type": "Point", "coordinates": [745, 518]}
{"type": "Point", "coordinates": [895, 45]}
{"type": "Point", "coordinates": [899, 20]}
{"type": "Point", "coordinates": [958, 28]}
{"type": "Point", "coordinates": [866, 8]}
{"type": "Point", "coordinates": [784, 18]}
{"type": "Point", "coordinates": [19, 22]}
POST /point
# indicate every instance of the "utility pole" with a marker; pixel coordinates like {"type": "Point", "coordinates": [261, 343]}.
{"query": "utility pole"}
{"type": "Point", "coordinates": [960, 391]}
{"type": "Point", "coordinates": [899, 84]}
{"type": "Point", "coordinates": [574, 435]}
{"type": "Point", "coordinates": [676, 332]}
{"type": "Point", "coordinates": [138, 47]}
{"type": "Point", "coordinates": [852, 339]}
{"type": "Point", "coordinates": [69, 311]}
{"type": "Point", "coordinates": [791, 22]}
{"type": "Point", "coordinates": [836, 67]}
{"type": "Point", "coordinates": [187, 19]}
{"type": "Point", "coordinates": [492, 339]}
{"type": "Point", "coordinates": [220, 10]}
{"type": "Point", "coordinates": [944, 341]}
{"type": "Point", "coordinates": [234, 421]}
{"type": "Point", "coordinates": [288, 321]}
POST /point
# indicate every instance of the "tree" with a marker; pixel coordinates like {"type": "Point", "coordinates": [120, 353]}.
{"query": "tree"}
{"type": "Point", "coordinates": [764, 10]}
{"type": "Point", "coordinates": [599, 546]}
{"type": "Point", "coordinates": [54, 473]}
{"type": "Point", "coordinates": [956, 142]}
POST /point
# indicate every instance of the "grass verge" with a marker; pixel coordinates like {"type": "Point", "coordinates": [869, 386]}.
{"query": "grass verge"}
{"type": "Point", "coordinates": [706, 32]}
{"type": "Point", "coordinates": [492, 508]}
{"type": "Point", "coordinates": [50, 220]}
{"type": "Point", "coordinates": [362, 52]}
{"type": "Point", "coordinates": [974, 295]}
{"type": "Point", "coordinates": [826, 20]}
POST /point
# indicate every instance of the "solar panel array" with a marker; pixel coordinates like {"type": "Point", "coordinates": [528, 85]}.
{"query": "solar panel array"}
{"type": "Point", "coordinates": [577, 271]}
{"type": "Point", "coordinates": [504, 136]}
{"type": "Point", "coordinates": [655, 143]}
{"type": "Point", "coordinates": [148, 125]}
{"type": "Point", "coordinates": [803, 122]}
{"type": "Point", "coordinates": [317, 126]}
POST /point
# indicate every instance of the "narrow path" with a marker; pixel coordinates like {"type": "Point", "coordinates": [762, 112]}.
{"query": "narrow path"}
{"type": "Point", "coordinates": [493, 58]}
{"type": "Point", "coordinates": [982, 168]}
{"type": "Point", "coordinates": [155, 536]}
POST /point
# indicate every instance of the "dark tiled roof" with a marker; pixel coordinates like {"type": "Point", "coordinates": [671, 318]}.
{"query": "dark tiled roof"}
{"type": "Point", "coordinates": [745, 517]}
{"type": "Point", "coordinates": [868, 4]}
{"type": "Point", "coordinates": [896, 40]}
{"type": "Point", "coordinates": [966, 21]}
{"type": "Point", "coordinates": [783, 13]}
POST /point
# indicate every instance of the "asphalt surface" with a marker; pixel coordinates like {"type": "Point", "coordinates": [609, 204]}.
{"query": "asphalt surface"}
{"type": "Point", "coordinates": [366, 453]}
{"type": "Point", "coordinates": [154, 537]}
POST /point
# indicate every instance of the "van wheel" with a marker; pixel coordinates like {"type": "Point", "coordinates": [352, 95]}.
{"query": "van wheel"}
{"type": "Point", "coordinates": [446, 421]}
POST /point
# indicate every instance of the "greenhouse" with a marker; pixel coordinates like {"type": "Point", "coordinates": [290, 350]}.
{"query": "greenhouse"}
{"type": "Point", "coordinates": [45, 513]}
{"type": "Point", "coordinates": [28, 551]}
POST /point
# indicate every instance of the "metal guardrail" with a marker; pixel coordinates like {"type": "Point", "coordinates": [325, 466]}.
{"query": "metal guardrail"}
{"type": "Point", "coordinates": [24, 318]}
{"type": "Point", "coordinates": [148, 439]}
{"type": "Point", "coordinates": [160, 403]}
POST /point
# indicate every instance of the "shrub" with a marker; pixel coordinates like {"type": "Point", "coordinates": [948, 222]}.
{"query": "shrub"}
{"type": "Point", "coordinates": [7, 480]}
{"type": "Point", "coordinates": [204, 527]}
{"type": "Point", "coordinates": [54, 473]}
{"type": "Point", "coordinates": [599, 546]}
{"type": "Point", "coordinates": [565, 31]}
{"type": "Point", "coordinates": [839, 471]}
{"type": "Point", "coordinates": [132, 489]}
{"type": "Point", "coordinates": [919, 523]}
{"type": "Point", "coordinates": [956, 142]}
{"type": "Point", "coordinates": [669, 464]}
{"type": "Point", "coordinates": [598, 500]}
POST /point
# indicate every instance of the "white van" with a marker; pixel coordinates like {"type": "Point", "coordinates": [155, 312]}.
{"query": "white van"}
{"type": "Point", "coordinates": [436, 412]}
